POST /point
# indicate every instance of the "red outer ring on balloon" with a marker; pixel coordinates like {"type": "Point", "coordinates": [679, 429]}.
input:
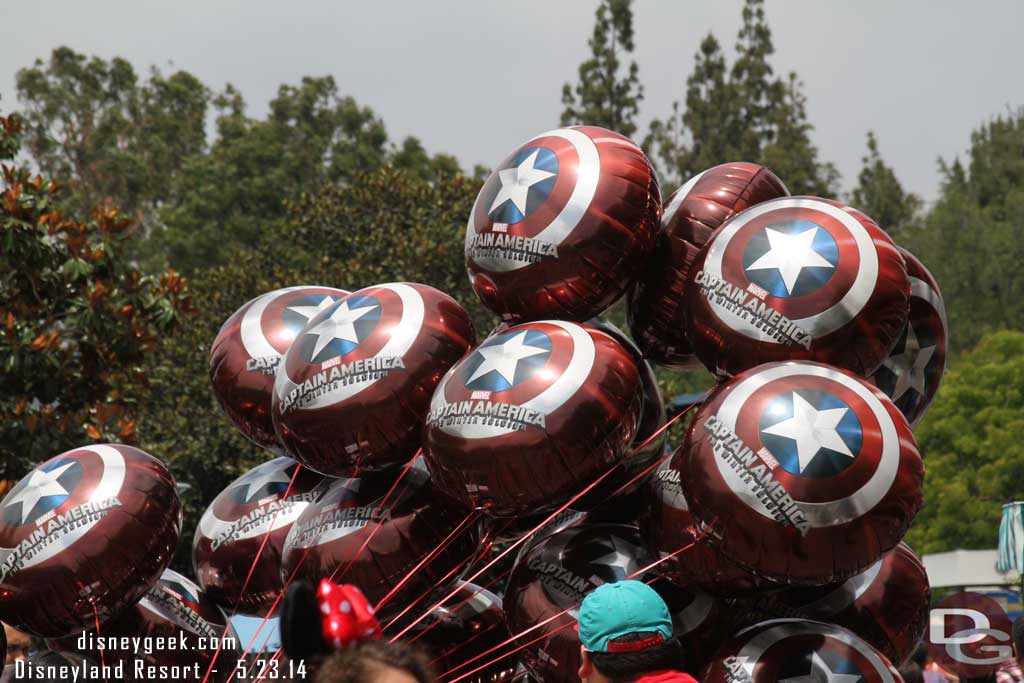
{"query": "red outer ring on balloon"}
{"type": "Point", "coordinates": [246, 352]}
{"type": "Point", "coordinates": [330, 534]}
{"type": "Point", "coordinates": [606, 201]}
{"type": "Point", "coordinates": [692, 214]}
{"type": "Point", "coordinates": [378, 391]}
{"type": "Point", "coordinates": [571, 418]}
{"type": "Point", "coordinates": [836, 514]}
{"type": "Point", "coordinates": [232, 529]}
{"type": "Point", "coordinates": [886, 605]}
{"type": "Point", "coordinates": [851, 319]}
{"type": "Point", "coordinates": [101, 548]}
{"type": "Point", "coordinates": [928, 321]}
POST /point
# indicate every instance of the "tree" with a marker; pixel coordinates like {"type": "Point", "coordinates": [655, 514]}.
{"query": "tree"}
{"type": "Point", "coordinates": [94, 123]}
{"type": "Point", "coordinates": [77, 320]}
{"type": "Point", "coordinates": [970, 239]}
{"type": "Point", "coordinates": [971, 447]}
{"type": "Point", "coordinates": [742, 113]}
{"type": "Point", "coordinates": [880, 194]}
{"type": "Point", "coordinates": [607, 94]}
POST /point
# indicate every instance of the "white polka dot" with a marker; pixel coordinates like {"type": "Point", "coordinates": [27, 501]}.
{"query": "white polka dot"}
{"type": "Point", "coordinates": [346, 606]}
{"type": "Point", "coordinates": [325, 607]}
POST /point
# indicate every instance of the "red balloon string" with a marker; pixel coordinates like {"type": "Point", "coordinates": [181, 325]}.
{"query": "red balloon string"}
{"type": "Point", "coordinates": [639, 572]}
{"type": "Point", "coordinates": [550, 517]}
{"type": "Point", "coordinates": [380, 521]}
{"type": "Point", "coordinates": [248, 577]}
{"type": "Point", "coordinates": [468, 520]}
{"type": "Point", "coordinates": [103, 663]}
{"type": "Point", "coordinates": [455, 607]}
{"type": "Point", "coordinates": [448, 653]}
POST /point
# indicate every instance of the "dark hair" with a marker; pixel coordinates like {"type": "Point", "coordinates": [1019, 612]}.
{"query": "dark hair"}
{"type": "Point", "coordinates": [359, 664]}
{"type": "Point", "coordinates": [920, 656]}
{"type": "Point", "coordinates": [1018, 637]}
{"type": "Point", "coordinates": [911, 673]}
{"type": "Point", "coordinates": [627, 666]}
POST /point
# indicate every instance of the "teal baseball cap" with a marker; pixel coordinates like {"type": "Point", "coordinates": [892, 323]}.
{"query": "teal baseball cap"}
{"type": "Point", "coordinates": [618, 609]}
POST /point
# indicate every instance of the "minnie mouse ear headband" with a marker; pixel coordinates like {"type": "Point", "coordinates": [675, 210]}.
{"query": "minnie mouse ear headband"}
{"type": "Point", "coordinates": [333, 617]}
{"type": "Point", "coordinates": [347, 617]}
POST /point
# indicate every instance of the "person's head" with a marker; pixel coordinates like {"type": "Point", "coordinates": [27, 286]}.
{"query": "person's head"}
{"type": "Point", "coordinates": [625, 632]}
{"type": "Point", "coordinates": [1018, 638]}
{"type": "Point", "coordinates": [18, 644]}
{"type": "Point", "coordinates": [376, 661]}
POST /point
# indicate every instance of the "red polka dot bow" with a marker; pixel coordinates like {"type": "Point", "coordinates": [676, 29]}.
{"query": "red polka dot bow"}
{"type": "Point", "coordinates": [346, 615]}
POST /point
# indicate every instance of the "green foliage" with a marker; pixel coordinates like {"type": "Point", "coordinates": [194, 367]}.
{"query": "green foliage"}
{"type": "Point", "coordinates": [608, 93]}
{"type": "Point", "coordinates": [741, 114]}
{"type": "Point", "coordinates": [94, 123]}
{"type": "Point", "coordinates": [972, 450]}
{"type": "Point", "coordinates": [880, 195]}
{"type": "Point", "coordinates": [971, 238]}
{"type": "Point", "coordinates": [77, 320]}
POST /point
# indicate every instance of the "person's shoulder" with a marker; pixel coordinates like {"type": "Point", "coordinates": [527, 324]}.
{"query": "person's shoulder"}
{"type": "Point", "coordinates": [670, 676]}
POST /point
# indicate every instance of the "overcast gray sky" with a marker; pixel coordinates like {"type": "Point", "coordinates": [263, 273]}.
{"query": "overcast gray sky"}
{"type": "Point", "coordinates": [477, 78]}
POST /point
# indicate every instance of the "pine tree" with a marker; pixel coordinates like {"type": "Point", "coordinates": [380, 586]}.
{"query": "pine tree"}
{"type": "Point", "coordinates": [879, 193]}
{"type": "Point", "coordinates": [608, 93]}
{"type": "Point", "coordinates": [742, 113]}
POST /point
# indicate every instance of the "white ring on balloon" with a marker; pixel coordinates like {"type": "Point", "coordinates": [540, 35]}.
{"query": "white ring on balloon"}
{"type": "Point", "coordinates": [830, 513]}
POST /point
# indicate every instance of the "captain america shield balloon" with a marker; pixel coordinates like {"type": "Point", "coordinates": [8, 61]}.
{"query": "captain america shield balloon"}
{"type": "Point", "coordinates": [689, 555]}
{"type": "Point", "coordinates": [532, 416]}
{"type": "Point", "coordinates": [549, 582]}
{"type": "Point", "coordinates": [886, 605]}
{"type": "Point", "coordinates": [355, 386]}
{"type": "Point", "coordinates": [404, 546]}
{"type": "Point", "coordinates": [83, 536]}
{"type": "Point", "coordinates": [911, 374]}
{"type": "Point", "coordinates": [692, 214]}
{"type": "Point", "coordinates": [801, 472]}
{"type": "Point", "coordinates": [797, 278]}
{"type": "Point", "coordinates": [261, 504]}
{"type": "Point", "coordinates": [563, 225]}
{"type": "Point", "coordinates": [798, 651]}
{"type": "Point", "coordinates": [248, 348]}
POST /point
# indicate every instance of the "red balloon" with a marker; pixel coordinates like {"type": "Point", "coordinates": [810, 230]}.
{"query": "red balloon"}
{"type": "Point", "coordinates": [801, 472]}
{"type": "Point", "coordinates": [354, 388]}
{"type": "Point", "coordinates": [328, 539]}
{"type": "Point", "coordinates": [563, 225]}
{"type": "Point", "coordinates": [248, 348]}
{"type": "Point", "coordinates": [174, 609]}
{"type": "Point", "coordinates": [232, 531]}
{"type": "Point", "coordinates": [555, 575]}
{"type": "Point", "coordinates": [698, 621]}
{"type": "Point", "coordinates": [549, 397]}
{"type": "Point", "coordinates": [797, 650]}
{"type": "Point", "coordinates": [692, 214]}
{"type": "Point", "coordinates": [83, 536]}
{"type": "Point", "coordinates": [797, 278]}
{"type": "Point", "coordinates": [886, 605]}
{"type": "Point", "coordinates": [471, 623]}
{"type": "Point", "coordinates": [910, 376]}
{"type": "Point", "coordinates": [667, 528]}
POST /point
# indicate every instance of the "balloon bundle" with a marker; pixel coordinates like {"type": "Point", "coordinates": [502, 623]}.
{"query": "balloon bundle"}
{"type": "Point", "coordinates": [476, 491]}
